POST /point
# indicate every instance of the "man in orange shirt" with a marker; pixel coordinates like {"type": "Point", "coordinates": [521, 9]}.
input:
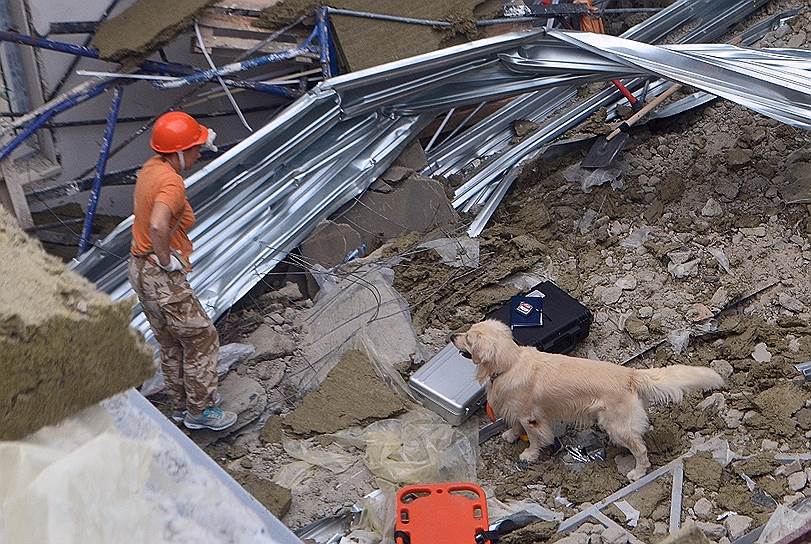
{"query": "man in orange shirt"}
{"type": "Point", "coordinates": [160, 259]}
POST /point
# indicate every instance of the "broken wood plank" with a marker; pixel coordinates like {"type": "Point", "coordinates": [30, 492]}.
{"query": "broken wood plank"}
{"type": "Point", "coordinates": [247, 5]}
{"type": "Point", "coordinates": [12, 195]}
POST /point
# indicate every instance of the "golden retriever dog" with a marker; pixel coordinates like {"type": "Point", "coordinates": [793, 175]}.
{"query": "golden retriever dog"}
{"type": "Point", "coordinates": [533, 390]}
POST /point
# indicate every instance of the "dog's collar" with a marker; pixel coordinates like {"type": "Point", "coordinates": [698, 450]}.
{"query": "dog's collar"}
{"type": "Point", "coordinates": [493, 377]}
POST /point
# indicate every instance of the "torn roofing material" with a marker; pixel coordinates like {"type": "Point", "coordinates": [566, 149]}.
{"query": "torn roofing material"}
{"type": "Point", "coordinates": [260, 200]}
{"type": "Point", "coordinates": [364, 43]}
{"type": "Point", "coordinates": [144, 27]}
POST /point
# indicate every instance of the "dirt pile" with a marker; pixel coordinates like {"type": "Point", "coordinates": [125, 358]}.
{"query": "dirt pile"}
{"type": "Point", "coordinates": [444, 296]}
{"type": "Point", "coordinates": [63, 345]}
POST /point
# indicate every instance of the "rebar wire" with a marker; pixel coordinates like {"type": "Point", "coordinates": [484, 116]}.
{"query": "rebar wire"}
{"type": "Point", "coordinates": [219, 77]}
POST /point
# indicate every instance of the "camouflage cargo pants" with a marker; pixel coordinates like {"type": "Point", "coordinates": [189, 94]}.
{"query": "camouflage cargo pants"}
{"type": "Point", "coordinates": [188, 340]}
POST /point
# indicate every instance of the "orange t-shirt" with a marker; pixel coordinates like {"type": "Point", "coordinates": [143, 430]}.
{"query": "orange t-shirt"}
{"type": "Point", "coordinates": [158, 182]}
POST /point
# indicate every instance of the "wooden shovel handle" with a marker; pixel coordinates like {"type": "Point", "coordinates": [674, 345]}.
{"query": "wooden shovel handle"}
{"type": "Point", "coordinates": [644, 111]}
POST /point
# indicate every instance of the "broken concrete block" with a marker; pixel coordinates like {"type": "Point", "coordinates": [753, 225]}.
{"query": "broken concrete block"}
{"type": "Point", "coordinates": [535, 532]}
{"type": "Point", "coordinates": [789, 469]}
{"type": "Point", "coordinates": [627, 283]}
{"type": "Point", "coordinates": [275, 498]}
{"type": "Point", "coordinates": [272, 431]}
{"type": "Point", "coordinates": [412, 157]}
{"type": "Point", "coordinates": [330, 243]}
{"type": "Point", "coordinates": [738, 157]}
{"type": "Point", "coordinates": [611, 295]}
{"type": "Point", "coordinates": [231, 355]}
{"type": "Point", "coordinates": [713, 531]}
{"type": "Point", "coordinates": [575, 538]}
{"type": "Point", "coordinates": [737, 526]}
{"type": "Point", "coordinates": [352, 394]}
{"type": "Point", "coordinates": [419, 204]}
{"type": "Point", "coordinates": [63, 345]}
{"type": "Point", "coordinates": [522, 127]}
{"type": "Point", "coordinates": [761, 353]}
{"type": "Point", "coordinates": [711, 209]}
{"type": "Point", "coordinates": [790, 303]}
{"type": "Point", "coordinates": [797, 481]}
{"type": "Point", "coordinates": [768, 445]}
{"type": "Point", "coordinates": [615, 535]}
{"type": "Point", "coordinates": [271, 372]}
{"type": "Point", "coordinates": [798, 188]}
{"type": "Point", "coordinates": [145, 26]}
{"type": "Point", "coordinates": [637, 329]}
{"type": "Point", "coordinates": [722, 367]}
{"type": "Point", "coordinates": [703, 508]}
{"type": "Point", "coordinates": [393, 174]}
{"type": "Point", "coordinates": [270, 344]}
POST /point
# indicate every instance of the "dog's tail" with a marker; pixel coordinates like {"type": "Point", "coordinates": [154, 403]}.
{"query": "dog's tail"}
{"type": "Point", "coordinates": [671, 383]}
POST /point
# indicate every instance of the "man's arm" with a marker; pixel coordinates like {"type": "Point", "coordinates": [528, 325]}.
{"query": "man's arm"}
{"type": "Point", "coordinates": [159, 231]}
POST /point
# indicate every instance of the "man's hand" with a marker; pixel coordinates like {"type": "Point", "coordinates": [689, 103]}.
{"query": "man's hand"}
{"type": "Point", "coordinates": [174, 264]}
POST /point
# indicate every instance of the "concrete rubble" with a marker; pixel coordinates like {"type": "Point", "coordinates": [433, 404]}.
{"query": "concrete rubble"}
{"type": "Point", "coordinates": [694, 251]}
{"type": "Point", "coordinates": [672, 251]}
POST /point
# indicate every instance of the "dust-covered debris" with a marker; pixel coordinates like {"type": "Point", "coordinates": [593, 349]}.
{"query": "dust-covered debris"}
{"type": "Point", "coordinates": [351, 395]}
{"type": "Point", "coordinates": [705, 245]}
{"type": "Point", "coordinates": [144, 27]}
{"type": "Point", "coordinates": [63, 345]}
{"type": "Point", "coordinates": [536, 532]}
{"type": "Point", "coordinates": [365, 42]}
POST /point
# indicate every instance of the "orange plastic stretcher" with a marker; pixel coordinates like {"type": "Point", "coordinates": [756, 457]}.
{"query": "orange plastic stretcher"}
{"type": "Point", "coordinates": [452, 513]}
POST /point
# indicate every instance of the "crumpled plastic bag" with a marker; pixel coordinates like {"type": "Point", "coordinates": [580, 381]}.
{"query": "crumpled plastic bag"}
{"type": "Point", "coordinates": [293, 474]}
{"type": "Point", "coordinates": [784, 521]}
{"type": "Point", "coordinates": [378, 511]}
{"type": "Point", "coordinates": [589, 178]}
{"type": "Point", "coordinates": [309, 451]}
{"type": "Point", "coordinates": [419, 447]}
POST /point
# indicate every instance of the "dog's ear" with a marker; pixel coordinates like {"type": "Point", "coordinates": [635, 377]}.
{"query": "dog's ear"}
{"type": "Point", "coordinates": [482, 347]}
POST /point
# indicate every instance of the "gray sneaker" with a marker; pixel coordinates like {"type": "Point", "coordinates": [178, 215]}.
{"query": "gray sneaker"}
{"type": "Point", "coordinates": [213, 417]}
{"type": "Point", "coordinates": [179, 415]}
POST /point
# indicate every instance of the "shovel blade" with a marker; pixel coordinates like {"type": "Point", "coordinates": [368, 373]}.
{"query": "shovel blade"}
{"type": "Point", "coordinates": [604, 152]}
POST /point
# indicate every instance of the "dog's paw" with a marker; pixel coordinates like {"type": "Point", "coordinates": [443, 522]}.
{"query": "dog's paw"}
{"type": "Point", "coordinates": [636, 474]}
{"type": "Point", "coordinates": [529, 455]}
{"type": "Point", "coordinates": [509, 436]}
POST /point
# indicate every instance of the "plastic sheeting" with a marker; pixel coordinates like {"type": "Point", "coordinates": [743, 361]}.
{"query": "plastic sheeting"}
{"type": "Point", "coordinates": [312, 453]}
{"type": "Point", "coordinates": [358, 309]}
{"type": "Point", "coordinates": [108, 474]}
{"type": "Point", "coordinates": [417, 447]}
{"type": "Point", "coordinates": [784, 521]}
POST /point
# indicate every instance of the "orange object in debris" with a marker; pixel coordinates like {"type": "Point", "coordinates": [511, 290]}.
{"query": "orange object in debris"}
{"type": "Point", "coordinates": [492, 416]}
{"type": "Point", "coordinates": [590, 22]}
{"type": "Point", "coordinates": [441, 514]}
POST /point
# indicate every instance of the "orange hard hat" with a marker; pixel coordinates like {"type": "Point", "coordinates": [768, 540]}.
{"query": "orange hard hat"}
{"type": "Point", "coordinates": [177, 131]}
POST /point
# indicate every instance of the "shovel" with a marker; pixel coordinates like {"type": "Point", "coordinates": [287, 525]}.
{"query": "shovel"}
{"type": "Point", "coordinates": [607, 148]}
